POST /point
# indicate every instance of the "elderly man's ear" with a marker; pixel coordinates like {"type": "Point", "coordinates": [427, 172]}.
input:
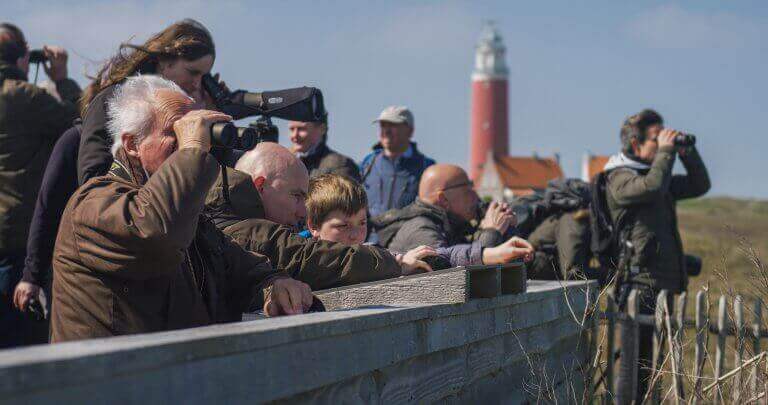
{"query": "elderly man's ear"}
{"type": "Point", "coordinates": [129, 144]}
{"type": "Point", "coordinates": [259, 182]}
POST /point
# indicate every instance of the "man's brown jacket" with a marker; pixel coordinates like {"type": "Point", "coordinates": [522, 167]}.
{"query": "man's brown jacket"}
{"type": "Point", "coordinates": [320, 264]}
{"type": "Point", "coordinates": [135, 259]}
{"type": "Point", "coordinates": [31, 120]}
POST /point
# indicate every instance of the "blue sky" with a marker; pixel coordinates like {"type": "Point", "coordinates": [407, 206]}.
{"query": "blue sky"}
{"type": "Point", "coordinates": [577, 68]}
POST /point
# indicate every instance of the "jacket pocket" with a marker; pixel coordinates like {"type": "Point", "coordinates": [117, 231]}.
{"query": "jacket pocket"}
{"type": "Point", "coordinates": [647, 249]}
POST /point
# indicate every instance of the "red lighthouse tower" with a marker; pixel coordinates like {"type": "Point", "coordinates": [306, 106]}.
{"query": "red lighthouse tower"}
{"type": "Point", "coordinates": [489, 121]}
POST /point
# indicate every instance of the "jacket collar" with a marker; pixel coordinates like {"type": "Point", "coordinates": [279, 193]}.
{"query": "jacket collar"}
{"type": "Point", "coordinates": [127, 168]}
{"type": "Point", "coordinates": [316, 152]}
{"type": "Point", "coordinates": [452, 224]}
{"type": "Point", "coordinates": [412, 152]}
{"type": "Point", "coordinates": [8, 71]}
{"type": "Point", "coordinates": [244, 199]}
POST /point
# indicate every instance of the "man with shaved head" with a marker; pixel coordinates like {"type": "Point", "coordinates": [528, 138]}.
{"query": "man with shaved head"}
{"type": "Point", "coordinates": [441, 217]}
{"type": "Point", "coordinates": [262, 209]}
{"type": "Point", "coordinates": [134, 254]}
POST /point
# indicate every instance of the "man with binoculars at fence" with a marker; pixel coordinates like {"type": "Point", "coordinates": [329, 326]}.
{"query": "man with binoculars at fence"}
{"type": "Point", "coordinates": [133, 253]}
{"type": "Point", "coordinates": [640, 195]}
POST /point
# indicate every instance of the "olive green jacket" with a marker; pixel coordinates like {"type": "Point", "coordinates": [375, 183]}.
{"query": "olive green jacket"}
{"type": "Point", "coordinates": [321, 264]}
{"type": "Point", "coordinates": [649, 197]}
{"type": "Point", "coordinates": [562, 247]}
{"type": "Point", "coordinates": [31, 120]}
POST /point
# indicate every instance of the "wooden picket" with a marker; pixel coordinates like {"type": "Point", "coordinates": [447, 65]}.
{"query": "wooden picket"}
{"type": "Point", "coordinates": [746, 378]}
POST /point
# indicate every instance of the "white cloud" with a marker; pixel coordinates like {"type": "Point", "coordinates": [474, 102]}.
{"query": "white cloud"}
{"type": "Point", "coordinates": [672, 27]}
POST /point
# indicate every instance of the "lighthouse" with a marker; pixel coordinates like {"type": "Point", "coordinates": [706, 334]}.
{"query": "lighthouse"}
{"type": "Point", "coordinates": [489, 135]}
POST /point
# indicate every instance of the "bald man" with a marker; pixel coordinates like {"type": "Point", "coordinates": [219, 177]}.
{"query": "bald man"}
{"type": "Point", "coordinates": [441, 218]}
{"type": "Point", "coordinates": [266, 201]}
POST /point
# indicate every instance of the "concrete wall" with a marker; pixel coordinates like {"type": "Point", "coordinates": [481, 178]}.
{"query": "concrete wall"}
{"type": "Point", "coordinates": [480, 350]}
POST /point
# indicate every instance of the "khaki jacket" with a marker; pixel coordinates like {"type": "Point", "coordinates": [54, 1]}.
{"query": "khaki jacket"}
{"type": "Point", "coordinates": [650, 199]}
{"type": "Point", "coordinates": [320, 264]}
{"type": "Point", "coordinates": [562, 247]}
{"type": "Point", "coordinates": [136, 259]}
{"type": "Point", "coordinates": [31, 120]}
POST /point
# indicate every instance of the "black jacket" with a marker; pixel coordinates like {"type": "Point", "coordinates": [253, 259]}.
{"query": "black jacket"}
{"type": "Point", "coordinates": [59, 183]}
{"type": "Point", "coordinates": [95, 156]}
{"type": "Point", "coordinates": [324, 160]}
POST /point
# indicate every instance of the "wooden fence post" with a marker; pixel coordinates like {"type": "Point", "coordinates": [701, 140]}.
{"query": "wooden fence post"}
{"type": "Point", "coordinates": [656, 374]}
{"type": "Point", "coordinates": [675, 346]}
{"type": "Point", "coordinates": [757, 323]}
{"type": "Point", "coordinates": [722, 333]}
{"type": "Point", "coordinates": [682, 302]}
{"type": "Point", "coordinates": [611, 309]}
{"type": "Point", "coordinates": [738, 360]}
{"type": "Point", "coordinates": [702, 331]}
{"type": "Point", "coordinates": [626, 387]}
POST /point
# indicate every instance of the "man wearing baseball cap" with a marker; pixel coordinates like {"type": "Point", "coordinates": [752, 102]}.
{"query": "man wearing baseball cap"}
{"type": "Point", "coordinates": [391, 173]}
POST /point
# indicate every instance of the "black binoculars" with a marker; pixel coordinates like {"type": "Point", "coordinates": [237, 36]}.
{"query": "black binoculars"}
{"type": "Point", "coordinates": [227, 135]}
{"type": "Point", "coordinates": [685, 140]}
{"type": "Point", "coordinates": [37, 56]}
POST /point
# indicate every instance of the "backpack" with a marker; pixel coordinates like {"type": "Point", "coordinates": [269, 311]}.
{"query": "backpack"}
{"type": "Point", "coordinates": [606, 236]}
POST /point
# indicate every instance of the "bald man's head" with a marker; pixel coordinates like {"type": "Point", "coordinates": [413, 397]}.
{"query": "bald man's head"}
{"type": "Point", "coordinates": [282, 181]}
{"type": "Point", "coordinates": [448, 186]}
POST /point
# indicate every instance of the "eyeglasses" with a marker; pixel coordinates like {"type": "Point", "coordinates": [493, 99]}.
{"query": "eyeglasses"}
{"type": "Point", "coordinates": [469, 184]}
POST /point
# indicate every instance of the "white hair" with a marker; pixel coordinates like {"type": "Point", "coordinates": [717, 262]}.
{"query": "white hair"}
{"type": "Point", "coordinates": [132, 108]}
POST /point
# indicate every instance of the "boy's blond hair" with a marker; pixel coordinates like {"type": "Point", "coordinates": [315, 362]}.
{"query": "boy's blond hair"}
{"type": "Point", "coordinates": [330, 192]}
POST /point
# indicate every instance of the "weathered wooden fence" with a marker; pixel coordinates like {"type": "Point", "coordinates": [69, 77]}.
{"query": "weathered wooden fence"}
{"type": "Point", "coordinates": [746, 378]}
{"type": "Point", "coordinates": [488, 338]}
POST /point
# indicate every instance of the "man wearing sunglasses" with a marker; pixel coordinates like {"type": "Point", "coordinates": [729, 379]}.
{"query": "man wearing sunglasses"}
{"type": "Point", "coordinates": [441, 217]}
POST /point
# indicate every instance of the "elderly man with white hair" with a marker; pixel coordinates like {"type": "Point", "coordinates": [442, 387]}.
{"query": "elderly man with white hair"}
{"type": "Point", "coordinates": [134, 254]}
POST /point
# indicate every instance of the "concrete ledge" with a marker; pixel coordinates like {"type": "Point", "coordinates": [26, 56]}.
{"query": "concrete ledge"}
{"type": "Point", "coordinates": [371, 350]}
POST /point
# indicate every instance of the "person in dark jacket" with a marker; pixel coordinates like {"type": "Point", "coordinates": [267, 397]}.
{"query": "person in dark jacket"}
{"type": "Point", "coordinates": [134, 254]}
{"type": "Point", "coordinates": [265, 201]}
{"type": "Point", "coordinates": [31, 120]}
{"type": "Point", "coordinates": [59, 183]}
{"type": "Point", "coordinates": [182, 53]}
{"type": "Point", "coordinates": [309, 143]}
{"type": "Point", "coordinates": [641, 194]}
{"type": "Point", "coordinates": [391, 173]}
{"type": "Point", "coordinates": [441, 217]}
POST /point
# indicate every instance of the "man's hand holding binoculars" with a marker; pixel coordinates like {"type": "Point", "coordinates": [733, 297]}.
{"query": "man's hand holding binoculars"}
{"type": "Point", "coordinates": [193, 130]}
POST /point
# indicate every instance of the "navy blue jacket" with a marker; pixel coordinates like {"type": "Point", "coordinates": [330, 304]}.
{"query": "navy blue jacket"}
{"type": "Point", "coordinates": [59, 183]}
{"type": "Point", "coordinates": [391, 184]}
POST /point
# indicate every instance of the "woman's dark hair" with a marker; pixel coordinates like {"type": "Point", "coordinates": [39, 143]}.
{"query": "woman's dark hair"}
{"type": "Point", "coordinates": [635, 127]}
{"type": "Point", "coordinates": [186, 39]}
{"type": "Point", "coordinates": [12, 43]}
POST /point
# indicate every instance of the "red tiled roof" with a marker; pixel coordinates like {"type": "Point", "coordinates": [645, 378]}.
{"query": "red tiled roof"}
{"type": "Point", "coordinates": [595, 165]}
{"type": "Point", "coordinates": [524, 173]}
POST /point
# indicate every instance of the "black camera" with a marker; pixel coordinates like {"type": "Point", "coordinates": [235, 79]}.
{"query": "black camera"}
{"type": "Point", "coordinates": [37, 56]}
{"type": "Point", "coordinates": [685, 140]}
{"type": "Point", "coordinates": [265, 130]}
{"type": "Point", "coordinates": [227, 135]}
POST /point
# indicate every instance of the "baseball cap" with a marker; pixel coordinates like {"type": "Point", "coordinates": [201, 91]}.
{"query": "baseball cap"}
{"type": "Point", "coordinates": [396, 114]}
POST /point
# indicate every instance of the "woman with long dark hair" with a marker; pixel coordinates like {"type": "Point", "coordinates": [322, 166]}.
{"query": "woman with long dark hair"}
{"type": "Point", "coordinates": [182, 53]}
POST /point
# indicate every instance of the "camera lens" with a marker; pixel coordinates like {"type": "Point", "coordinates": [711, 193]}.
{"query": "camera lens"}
{"type": "Point", "coordinates": [223, 134]}
{"type": "Point", "coordinates": [246, 138]}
